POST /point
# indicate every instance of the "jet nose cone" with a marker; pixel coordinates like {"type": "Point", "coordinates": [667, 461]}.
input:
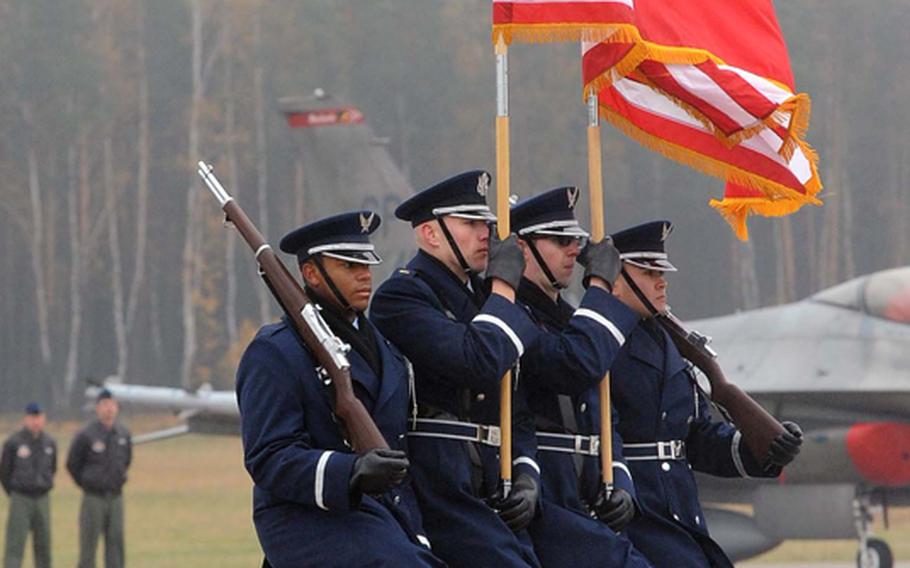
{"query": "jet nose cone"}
{"type": "Point", "coordinates": [880, 451]}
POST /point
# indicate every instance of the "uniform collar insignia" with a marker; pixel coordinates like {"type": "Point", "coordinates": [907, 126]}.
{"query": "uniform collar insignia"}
{"type": "Point", "coordinates": [483, 184]}
{"type": "Point", "coordinates": [366, 221]}
{"type": "Point", "coordinates": [572, 196]}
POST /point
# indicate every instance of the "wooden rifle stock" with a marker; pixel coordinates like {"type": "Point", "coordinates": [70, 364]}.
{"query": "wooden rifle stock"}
{"type": "Point", "coordinates": [758, 427]}
{"type": "Point", "coordinates": [330, 352]}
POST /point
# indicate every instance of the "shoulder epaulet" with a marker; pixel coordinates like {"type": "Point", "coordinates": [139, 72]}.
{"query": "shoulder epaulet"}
{"type": "Point", "coordinates": [275, 328]}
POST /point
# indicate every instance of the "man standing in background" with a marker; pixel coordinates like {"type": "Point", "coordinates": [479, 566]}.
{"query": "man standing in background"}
{"type": "Point", "coordinates": [27, 469]}
{"type": "Point", "coordinates": [98, 459]}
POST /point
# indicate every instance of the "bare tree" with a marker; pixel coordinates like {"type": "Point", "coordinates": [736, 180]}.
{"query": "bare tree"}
{"type": "Point", "coordinates": [786, 261]}
{"type": "Point", "coordinates": [262, 166]}
{"type": "Point", "coordinates": [299, 193]}
{"type": "Point", "coordinates": [142, 177]}
{"type": "Point", "coordinates": [831, 244]}
{"type": "Point", "coordinates": [745, 276]}
{"type": "Point", "coordinates": [230, 304]}
{"type": "Point", "coordinates": [192, 269]}
{"type": "Point", "coordinates": [38, 232]}
{"type": "Point", "coordinates": [116, 268]}
{"type": "Point", "coordinates": [901, 251]}
{"type": "Point", "coordinates": [72, 355]}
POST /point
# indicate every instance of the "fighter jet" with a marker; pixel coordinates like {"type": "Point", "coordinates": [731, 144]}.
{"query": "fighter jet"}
{"type": "Point", "coordinates": [838, 363]}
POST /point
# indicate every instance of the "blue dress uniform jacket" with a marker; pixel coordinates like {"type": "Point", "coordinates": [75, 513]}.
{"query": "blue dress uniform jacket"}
{"type": "Point", "coordinates": [570, 358]}
{"type": "Point", "coordinates": [658, 401]}
{"type": "Point", "coordinates": [461, 347]}
{"type": "Point", "coordinates": [301, 465]}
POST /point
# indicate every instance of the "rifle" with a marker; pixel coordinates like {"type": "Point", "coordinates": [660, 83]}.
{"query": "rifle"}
{"type": "Point", "coordinates": [758, 427]}
{"type": "Point", "coordinates": [331, 353]}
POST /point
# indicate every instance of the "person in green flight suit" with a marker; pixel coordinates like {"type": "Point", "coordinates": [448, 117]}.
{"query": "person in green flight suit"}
{"type": "Point", "coordinates": [27, 468]}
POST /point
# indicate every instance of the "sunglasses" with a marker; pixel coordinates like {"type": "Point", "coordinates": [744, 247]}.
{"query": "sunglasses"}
{"type": "Point", "coordinates": [564, 241]}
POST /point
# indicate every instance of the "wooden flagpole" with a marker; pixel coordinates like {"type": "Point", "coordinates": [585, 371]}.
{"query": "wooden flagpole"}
{"type": "Point", "coordinates": [503, 229]}
{"type": "Point", "coordinates": [595, 181]}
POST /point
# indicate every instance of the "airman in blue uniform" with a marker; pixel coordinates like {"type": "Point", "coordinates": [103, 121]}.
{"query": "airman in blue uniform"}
{"type": "Point", "coordinates": [461, 341]}
{"type": "Point", "coordinates": [314, 497]}
{"type": "Point", "coordinates": [664, 419]}
{"type": "Point", "coordinates": [561, 374]}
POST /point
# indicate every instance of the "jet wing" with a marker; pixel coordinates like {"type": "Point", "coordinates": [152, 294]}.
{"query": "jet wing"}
{"type": "Point", "coordinates": [204, 411]}
{"type": "Point", "coordinates": [841, 356]}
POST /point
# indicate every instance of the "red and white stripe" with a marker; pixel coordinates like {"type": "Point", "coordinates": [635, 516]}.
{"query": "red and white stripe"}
{"type": "Point", "coordinates": [656, 114]}
{"type": "Point", "coordinates": [727, 99]}
{"type": "Point", "coordinates": [709, 110]}
{"type": "Point", "coordinates": [531, 15]}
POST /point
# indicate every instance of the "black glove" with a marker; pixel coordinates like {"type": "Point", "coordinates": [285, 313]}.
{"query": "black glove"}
{"type": "Point", "coordinates": [617, 510]}
{"type": "Point", "coordinates": [506, 261]}
{"type": "Point", "coordinates": [602, 260]}
{"type": "Point", "coordinates": [518, 509]}
{"type": "Point", "coordinates": [785, 446]}
{"type": "Point", "coordinates": [377, 471]}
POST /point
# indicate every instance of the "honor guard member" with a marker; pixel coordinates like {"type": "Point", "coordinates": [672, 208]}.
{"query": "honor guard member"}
{"type": "Point", "coordinates": [98, 460]}
{"type": "Point", "coordinates": [461, 341]}
{"type": "Point", "coordinates": [314, 497]}
{"type": "Point", "coordinates": [27, 468]}
{"type": "Point", "coordinates": [664, 418]}
{"type": "Point", "coordinates": [561, 374]}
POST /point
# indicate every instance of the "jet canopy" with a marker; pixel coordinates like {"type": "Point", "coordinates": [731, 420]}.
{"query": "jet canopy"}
{"type": "Point", "coordinates": [885, 295]}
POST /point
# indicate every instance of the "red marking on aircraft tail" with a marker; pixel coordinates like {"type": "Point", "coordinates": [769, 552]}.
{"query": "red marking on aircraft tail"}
{"type": "Point", "coordinates": [881, 452]}
{"type": "Point", "coordinates": [898, 307]}
{"type": "Point", "coordinates": [324, 117]}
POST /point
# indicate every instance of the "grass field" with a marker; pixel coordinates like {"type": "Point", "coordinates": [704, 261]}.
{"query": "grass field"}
{"type": "Point", "coordinates": [188, 504]}
{"type": "Point", "coordinates": [187, 501]}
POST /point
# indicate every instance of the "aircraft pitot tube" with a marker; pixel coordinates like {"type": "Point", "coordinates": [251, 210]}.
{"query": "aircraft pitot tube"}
{"type": "Point", "coordinates": [758, 427]}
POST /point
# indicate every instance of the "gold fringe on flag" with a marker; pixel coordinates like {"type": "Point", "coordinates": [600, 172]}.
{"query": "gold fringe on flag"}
{"type": "Point", "coordinates": [798, 110]}
{"type": "Point", "coordinates": [736, 210]}
{"type": "Point", "coordinates": [643, 50]}
{"type": "Point", "coordinates": [776, 200]}
{"type": "Point", "coordinates": [669, 54]}
{"type": "Point", "coordinates": [566, 32]}
{"type": "Point", "coordinates": [793, 114]}
{"type": "Point", "coordinates": [772, 190]}
{"type": "Point", "coordinates": [622, 68]}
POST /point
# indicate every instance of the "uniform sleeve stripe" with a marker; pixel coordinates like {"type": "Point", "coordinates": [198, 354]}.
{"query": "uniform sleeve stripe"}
{"type": "Point", "coordinates": [737, 458]}
{"type": "Point", "coordinates": [319, 485]}
{"type": "Point", "coordinates": [614, 331]}
{"type": "Point", "coordinates": [504, 327]}
{"type": "Point", "coordinates": [529, 461]}
{"type": "Point", "coordinates": [623, 467]}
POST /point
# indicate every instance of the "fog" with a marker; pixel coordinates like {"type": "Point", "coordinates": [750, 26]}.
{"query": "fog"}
{"type": "Point", "coordinates": [114, 257]}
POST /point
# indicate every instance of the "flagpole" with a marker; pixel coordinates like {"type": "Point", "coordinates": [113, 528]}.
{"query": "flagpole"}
{"type": "Point", "coordinates": [503, 229]}
{"type": "Point", "coordinates": [595, 180]}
